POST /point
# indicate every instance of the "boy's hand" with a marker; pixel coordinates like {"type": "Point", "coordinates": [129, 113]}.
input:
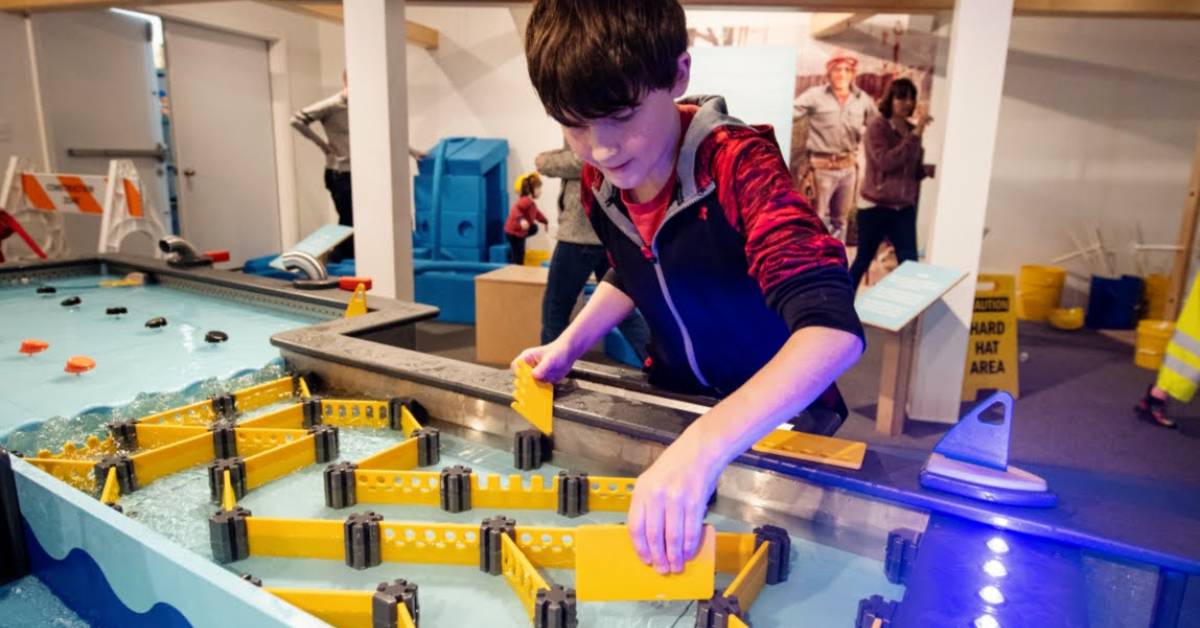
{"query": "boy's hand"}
{"type": "Point", "coordinates": [666, 514]}
{"type": "Point", "coordinates": [550, 362]}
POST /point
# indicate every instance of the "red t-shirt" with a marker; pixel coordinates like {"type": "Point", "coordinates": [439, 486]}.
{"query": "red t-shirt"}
{"type": "Point", "coordinates": [523, 208]}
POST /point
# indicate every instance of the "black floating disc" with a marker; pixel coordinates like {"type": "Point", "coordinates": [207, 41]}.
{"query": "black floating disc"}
{"type": "Point", "coordinates": [156, 322]}
{"type": "Point", "coordinates": [216, 336]}
{"type": "Point", "coordinates": [116, 311]}
{"type": "Point", "coordinates": [71, 301]}
{"type": "Point", "coordinates": [47, 290]}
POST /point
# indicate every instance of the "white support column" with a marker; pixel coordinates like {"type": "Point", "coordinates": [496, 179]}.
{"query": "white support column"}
{"type": "Point", "coordinates": [375, 67]}
{"type": "Point", "coordinates": [975, 83]}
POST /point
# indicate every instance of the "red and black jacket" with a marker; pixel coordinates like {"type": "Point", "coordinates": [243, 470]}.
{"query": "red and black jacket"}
{"type": "Point", "coordinates": [722, 291]}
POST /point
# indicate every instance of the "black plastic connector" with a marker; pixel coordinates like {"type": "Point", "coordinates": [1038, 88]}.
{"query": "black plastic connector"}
{"type": "Point", "coordinates": [14, 555]}
{"type": "Point", "coordinates": [489, 542]}
{"type": "Point", "coordinates": [326, 441]}
{"type": "Point", "coordinates": [779, 555]}
{"type": "Point", "coordinates": [125, 477]}
{"type": "Point", "coordinates": [363, 541]}
{"type": "Point", "coordinates": [414, 408]}
{"type": "Point", "coordinates": [429, 446]}
{"type": "Point", "coordinates": [124, 433]}
{"type": "Point", "coordinates": [530, 449]}
{"type": "Point", "coordinates": [216, 478]}
{"type": "Point", "coordinates": [340, 487]}
{"type": "Point", "coordinates": [572, 493]}
{"type": "Point", "coordinates": [224, 440]}
{"type": "Point", "coordinates": [901, 554]}
{"type": "Point", "coordinates": [385, 604]}
{"type": "Point", "coordinates": [227, 532]}
{"type": "Point", "coordinates": [224, 406]}
{"type": "Point", "coordinates": [456, 488]}
{"type": "Point", "coordinates": [252, 579]}
{"type": "Point", "coordinates": [873, 609]}
{"type": "Point", "coordinates": [312, 412]}
{"type": "Point", "coordinates": [555, 608]}
{"type": "Point", "coordinates": [716, 611]}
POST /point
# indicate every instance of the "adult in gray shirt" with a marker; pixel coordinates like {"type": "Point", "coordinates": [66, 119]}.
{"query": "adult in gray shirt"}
{"type": "Point", "coordinates": [577, 255]}
{"type": "Point", "coordinates": [837, 115]}
{"type": "Point", "coordinates": [334, 115]}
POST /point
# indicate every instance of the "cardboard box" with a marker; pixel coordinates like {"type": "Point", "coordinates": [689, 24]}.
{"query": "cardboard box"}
{"type": "Point", "coordinates": [508, 312]}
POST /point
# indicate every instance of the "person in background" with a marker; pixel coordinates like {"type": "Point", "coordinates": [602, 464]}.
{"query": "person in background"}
{"type": "Point", "coordinates": [577, 254]}
{"type": "Point", "coordinates": [1180, 371]}
{"type": "Point", "coordinates": [837, 114]}
{"type": "Point", "coordinates": [892, 180]}
{"type": "Point", "coordinates": [524, 213]}
{"type": "Point", "coordinates": [333, 114]}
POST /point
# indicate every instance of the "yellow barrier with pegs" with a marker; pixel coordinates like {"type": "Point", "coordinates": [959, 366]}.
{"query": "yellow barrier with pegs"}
{"type": "Point", "coordinates": [155, 464]}
{"type": "Point", "coordinates": [199, 413]}
{"type": "Point", "coordinates": [295, 538]}
{"type": "Point", "coordinates": [429, 543]}
{"type": "Point", "coordinates": [93, 449]}
{"type": "Point", "coordinates": [751, 579]}
{"type": "Point", "coordinates": [354, 413]}
{"type": "Point", "coordinates": [607, 568]}
{"type": "Point", "coordinates": [77, 473]}
{"type": "Point", "coordinates": [151, 436]}
{"type": "Point", "coordinates": [290, 417]}
{"type": "Point", "coordinates": [275, 463]}
{"type": "Point", "coordinates": [265, 394]}
{"type": "Point", "coordinates": [255, 440]}
{"type": "Point", "coordinates": [520, 574]}
{"type": "Point", "coordinates": [402, 456]}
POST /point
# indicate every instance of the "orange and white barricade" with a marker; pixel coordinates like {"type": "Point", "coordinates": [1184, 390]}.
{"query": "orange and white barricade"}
{"type": "Point", "coordinates": [116, 199]}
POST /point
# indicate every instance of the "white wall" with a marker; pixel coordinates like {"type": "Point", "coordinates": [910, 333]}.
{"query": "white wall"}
{"type": "Point", "coordinates": [18, 112]}
{"type": "Point", "coordinates": [1097, 128]}
{"type": "Point", "coordinates": [300, 70]}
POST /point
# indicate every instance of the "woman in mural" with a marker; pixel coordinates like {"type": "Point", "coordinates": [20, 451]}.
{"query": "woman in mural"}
{"type": "Point", "coordinates": [892, 179]}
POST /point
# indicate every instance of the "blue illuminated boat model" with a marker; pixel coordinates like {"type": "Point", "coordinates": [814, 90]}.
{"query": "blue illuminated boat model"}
{"type": "Point", "coordinates": [972, 460]}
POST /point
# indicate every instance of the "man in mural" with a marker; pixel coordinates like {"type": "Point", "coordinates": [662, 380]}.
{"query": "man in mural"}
{"type": "Point", "coordinates": [837, 115]}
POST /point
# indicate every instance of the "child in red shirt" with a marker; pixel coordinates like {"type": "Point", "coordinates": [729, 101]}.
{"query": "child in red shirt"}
{"type": "Point", "coordinates": [746, 294]}
{"type": "Point", "coordinates": [523, 214]}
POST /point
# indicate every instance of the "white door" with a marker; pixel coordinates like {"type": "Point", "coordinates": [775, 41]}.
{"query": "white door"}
{"type": "Point", "coordinates": [97, 77]}
{"type": "Point", "coordinates": [220, 92]}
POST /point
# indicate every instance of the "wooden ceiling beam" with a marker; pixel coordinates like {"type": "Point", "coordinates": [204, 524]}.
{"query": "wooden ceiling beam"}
{"type": "Point", "coordinates": [825, 25]}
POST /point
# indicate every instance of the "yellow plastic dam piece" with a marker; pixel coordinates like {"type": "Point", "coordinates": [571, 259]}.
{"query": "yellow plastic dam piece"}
{"type": "Point", "coordinates": [533, 400]}
{"type": "Point", "coordinates": [358, 303]}
{"type": "Point", "coordinates": [265, 394]}
{"type": "Point", "coordinates": [112, 488]}
{"type": "Point", "coordinates": [77, 473]}
{"type": "Point", "coordinates": [402, 456]}
{"type": "Point", "coordinates": [155, 464]}
{"type": "Point", "coordinates": [751, 580]}
{"type": "Point", "coordinates": [152, 436]}
{"type": "Point", "coordinates": [836, 452]}
{"type": "Point", "coordinates": [344, 609]}
{"type": "Point", "coordinates": [520, 574]}
{"type": "Point", "coordinates": [296, 538]}
{"type": "Point", "coordinates": [289, 418]}
{"type": "Point", "coordinates": [607, 568]}
{"type": "Point", "coordinates": [275, 463]}
{"type": "Point", "coordinates": [355, 413]}
{"type": "Point", "coordinates": [304, 393]}
{"type": "Point", "coordinates": [228, 497]}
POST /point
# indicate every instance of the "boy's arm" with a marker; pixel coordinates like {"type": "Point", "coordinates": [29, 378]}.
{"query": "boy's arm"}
{"type": "Point", "coordinates": [607, 307]}
{"type": "Point", "coordinates": [670, 498]}
{"type": "Point", "coordinates": [560, 164]}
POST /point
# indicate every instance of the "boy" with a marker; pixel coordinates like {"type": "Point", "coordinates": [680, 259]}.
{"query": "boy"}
{"type": "Point", "coordinates": [746, 295]}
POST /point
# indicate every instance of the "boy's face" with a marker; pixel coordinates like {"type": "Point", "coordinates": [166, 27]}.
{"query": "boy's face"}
{"type": "Point", "coordinates": [627, 146]}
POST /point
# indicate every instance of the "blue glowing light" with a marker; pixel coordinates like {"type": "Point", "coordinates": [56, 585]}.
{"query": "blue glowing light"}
{"type": "Point", "coordinates": [997, 545]}
{"type": "Point", "coordinates": [991, 595]}
{"type": "Point", "coordinates": [995, 568]}
{"type": "Point", "coordinates": [986, 621]}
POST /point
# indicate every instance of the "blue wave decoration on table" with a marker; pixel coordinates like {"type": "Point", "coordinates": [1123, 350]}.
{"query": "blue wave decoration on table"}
{"type": "Point", "coordinates": [79, 582]}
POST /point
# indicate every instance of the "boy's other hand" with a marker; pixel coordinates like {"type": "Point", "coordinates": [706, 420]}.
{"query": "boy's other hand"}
{"type": "Point", "coordinates": [666, 514]}
{"type": "Point", "coordinates": [550, 362]}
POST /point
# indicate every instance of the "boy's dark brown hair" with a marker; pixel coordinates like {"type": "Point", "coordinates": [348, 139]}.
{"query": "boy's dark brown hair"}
{"type": "Point", "coordinates": [591, 58]}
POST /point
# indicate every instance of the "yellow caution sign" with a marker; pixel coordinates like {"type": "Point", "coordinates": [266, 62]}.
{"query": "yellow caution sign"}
{"type": "Point", "coordinates": [533, 400]}
{"type": "Point", "coordinates": [992, 348]}
{"type": "Point", "coordinates": [358, 303]}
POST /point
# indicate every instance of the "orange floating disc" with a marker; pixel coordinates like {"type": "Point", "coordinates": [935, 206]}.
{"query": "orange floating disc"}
{"type": "Point", "coordinates": [349, 284]}
{"type": "Point", "coordinates": [80, 364]}
{"type": "Point", "coordinates": [32, 346]}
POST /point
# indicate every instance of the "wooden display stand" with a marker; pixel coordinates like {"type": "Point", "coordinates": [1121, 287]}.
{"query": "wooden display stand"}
{"type": "Point", "coordinates": [508, 312]}
{"type": "Point", "coordinates": [894, 305]}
